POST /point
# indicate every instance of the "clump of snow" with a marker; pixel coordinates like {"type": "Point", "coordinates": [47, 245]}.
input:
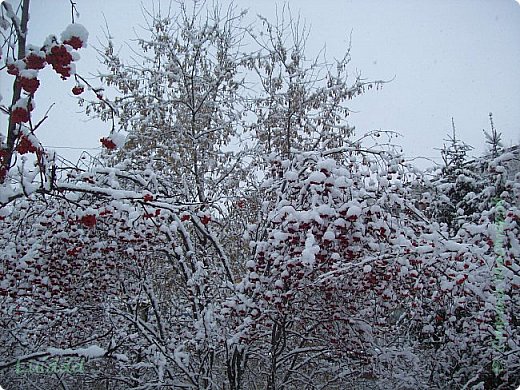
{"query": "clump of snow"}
{"type": "Point", "coordinates": [118, 138]}
{"type": "Point", "coordinates": [428, 328]}
{"type": "Point", "coordinates": [279, 284]}
{"type": "Point", "coordinates": [308, 255]}
{"type": "Point", "coordinates": [29, 73]}
{"type": "Point", "coordinates": [329, 235]}
{"type": "Point", "coordinates": [354, 211]}
{"type": "Point", "coordinates": [121, 357]}
{"type": "Point", "coordinates": [342, 182]}
{"type": "Point", "coordinates": [75, 30]}
{"type": "Point", "coordinates": [422, 249]}
{"type": "Point", "coordinates": [10, 13]}
{"type": "Point", "coordinates": [291, 175]}
{"type": "Point", "coordinates": [317, 177]}
{"type": "Point", "coordinates": [24, 103]}
{"type": "Point", "coordinates": [91, 352]}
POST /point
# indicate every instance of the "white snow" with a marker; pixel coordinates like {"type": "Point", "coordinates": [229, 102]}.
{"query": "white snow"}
{"type": "Point", "coordinates": [29, 73]}
{"type": "Point", "coordinates": [118, 138]}
{"type": "Point", "coordinates": [75, 30]}
{"type": "Point", "coordinates": [91, 352]}
{"type": "Point", "coordinates": [354, 211]}
{"type": "Point", "coordinates": [317, 177]}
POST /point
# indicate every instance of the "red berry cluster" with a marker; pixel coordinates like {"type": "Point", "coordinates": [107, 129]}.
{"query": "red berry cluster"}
{"type": "Point", "coordinates": [25, 146]}
{"type": "Point", "coordinates": [88, 220]}
{"type": "Point", "coordinates": [57, 55]}
{"type": "Point", "coordinates": [151, 215]}
{"type": "Point", "coordinates": [78, 90]}
{"type": "Point", "coordinates": [34, 61]}
{"type": "Point", "coordinates": [108, 143]}
{"type": "Point", "coordinates": [74, 251]}
{"type": "Point", "coordinates": [29, 85]}
{"type": "Point", "coordinates": [75, 42]}
{"type": "Point", "coordinates": [60, 56]}
{"type": "Point", "coordinates": [60, 59]}
{"type": "Point", "coordinates": [12, 69]}
{"type": "Point", "coordinates": [19, 115]}
{"type": "Point", "coordinates": [20, 112]}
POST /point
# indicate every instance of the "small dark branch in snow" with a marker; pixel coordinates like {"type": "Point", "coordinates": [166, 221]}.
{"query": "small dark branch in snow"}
{"type": "Point", "coordinates": [52, 352]}
{"type": "Point", "coordinates": [21, 30]}
{"type": "Point", "coordinates": [43, 119]}
{"type": "Point", "coordinates": [12, 15]}
{"type": "Point", "coordinates": [22, 359]}
{"type": "Point", "coordinates": [223, 257]}
{"type": "Point", "coordinates": [68, 352]}
{"type": "Point", "coordinates": [73, 10]}
{"type": "Point", "coordinates": [102, 98]}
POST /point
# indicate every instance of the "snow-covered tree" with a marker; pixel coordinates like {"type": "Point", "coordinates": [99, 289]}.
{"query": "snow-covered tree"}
{"type": "Point", "coordinates": [301, 103]}
{"type": "Point", "coordinates": [181, 100]}
{"type": "Point", "coordinates": [236, 234]}
{"type": "Point", "coordinates": [484, 219]}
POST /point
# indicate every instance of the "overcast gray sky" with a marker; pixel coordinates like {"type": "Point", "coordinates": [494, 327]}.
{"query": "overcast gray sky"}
{"type": "Point", "coordinates": [447, 58]}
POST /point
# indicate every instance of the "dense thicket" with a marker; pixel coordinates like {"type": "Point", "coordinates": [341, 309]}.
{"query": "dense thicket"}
{"type": "Point", "coordinates": [237, 234]}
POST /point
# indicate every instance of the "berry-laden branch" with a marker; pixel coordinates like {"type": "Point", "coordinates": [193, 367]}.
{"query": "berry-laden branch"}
{"type": "Point", "coordinates": [79, 89]}
{"type": "Point", "coordinates": [25, 66]}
